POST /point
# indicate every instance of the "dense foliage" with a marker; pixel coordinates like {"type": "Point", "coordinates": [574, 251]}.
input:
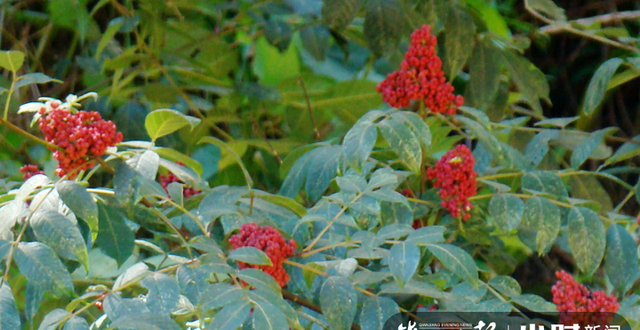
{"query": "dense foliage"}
{"type": "Point", "coordinates": [304, 164]}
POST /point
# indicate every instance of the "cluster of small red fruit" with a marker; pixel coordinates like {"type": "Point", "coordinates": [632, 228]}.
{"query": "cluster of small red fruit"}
{"type": "Point", "coordinates": [455, 177]}
{"type": "Point", "coordinates": [571, 296]}
{"type": "Point", "coordinates": [269, 240]}
{"type": "Point", "coordinates": [421, 78]}
{"type": "Point", "coordinates": [80, 135]}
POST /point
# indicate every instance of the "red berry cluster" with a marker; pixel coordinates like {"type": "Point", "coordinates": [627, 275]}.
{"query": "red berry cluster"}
{"type": "Point", "coordinates": [421, 77]}
{"type": "Point", "coordinates": [269, 240]}
{"type": "Point", "coordinates": [571, 296]}
{"type": "Point", "coordinates": [81, 135]}
{"type": "Point", "coordinates": [29, 171]}
{"type": "Point", "coordinates": [165, 180]}
{"type": "Point", "coordinates": [455, 177]}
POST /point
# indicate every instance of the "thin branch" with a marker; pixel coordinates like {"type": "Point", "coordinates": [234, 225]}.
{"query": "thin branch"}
{"type": "Point", "coordinates": [565, 26]}
{"type": "Point", "coordinates": [104, 164]}
{"type": "Point", "coordinates": [306, 97]}
{"type": "Point", "coordinates": [330, 223]}
{"type": "Point", "coordinates": [602, 19]}
{"type": "Point", "coordinates": [29, 135]}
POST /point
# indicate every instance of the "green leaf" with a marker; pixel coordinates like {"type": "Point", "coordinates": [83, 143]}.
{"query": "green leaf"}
{"type": "Point", "coordinates": [193, 280]}
{"type": "Point", "coordinates": [337, 14]}
{"type": "Point", "coordinates": [224, 146]}
{"type": "Point", "coordinates": [491, 17]}
{"type": "Point", "coordinates": [163, 294]}
{"type": "Point", "coordinates": [530, 81]}
{"type": "Point", "coordinates": [587, 147]}
{"type": "Point", "coordinates": [40, 265]}
{"type": "Point", "coordinates": [185, 174]}
{"type": "Point", "coordinates": [53, 319]}
{"type": "Point", "coordinates": [176, 156]}
{"type": "Point", "coordinates": [413, 287]}
{"type": "Point", "coordinates": [383, 26]}
{"type": "Point", "coordinates": [315, 40]}
{"type": "Point", "coordinates": [272, 298]}
{"type": "Point", "coordinates": [271, 66]}
{"type": "Point", "coordinates": [9, 317]}
{"type": "Point", "coordinates": [57, 231]}
{"type": "Point", "coordinates": [115, 238]}
{"type": "Point", "coordinates": [111, 31]}
{"type": "Point", "coordinates": [33, 298]}
{"type": "Point", "coordinates": [278, 33]}
{"type": "Point", "coordinates": [11, 60]}
{"type": "Point", "coordinates": [546, 182]}
{"type": "Point", "coordinates": [268, 317]}
{"type": "Point", "coordinates": [506, 285]}
{"type": "Point", "coordinates": [259, 279]}
{"type": "Point", "coordinates": [376, 311]}
{"type": "Point", "coordinates": [417, 125]}
{"type": "Point", "coordinates": [506, 210]}
{"type": "Point", "coordinates": [144, 321]}
{"type": "Point", "coordinates": [232, 316]}
{"type": "Point", "coordinates": [323, 166]}
{"type": "Point", "coordinates": [434, 13]}
{"type": "Point", "coordinates": [34, 78]}
{"type": "Point", "coordinates": [358, 143]}
{"type": "Point", "coordinates": [535, 303]}
{"type": "Point", "coordinates": [548, 8]}
{"type": "Point", "coordinates": [476, 114]}
{"type": "Point", "coordinates": [626, 151]}
{"type": "Point", "coordinates": [459, 31]}
{"type": "Point", "coordinates": [166, 121]}
{"type": "Point", "coordinates": [79, 201]}
{"type": "Point", "coordinates": [338, 300]}
{"type": "Point", "coordinates": [621, 258]}
{"type": "Point", "coordinates": [292, 159]}
{"type": "Point", "coordinates": [5, 247]}
{"type": "Point", "coordinates": [586, 238]}
{"type": "Point", "coordinates": [489, 141]}
{"type": "Point", "coordinates": [403, 141]}
{"type": "Point", "coordinates": [403, 261]}
{"type": "Point", "coordinates": [561, 122]}
{"type": "Point", "coordinates": [134, 273]}
{"type": "Point", "coordinates": [540, 224]}
{"type": "Point", "coordinates": [250, 255]}
{"type": "Point", "coordinates": [146, 164]}
{"type": "Point", "coordinates": [537, 148]}
{"type": "Point", "coordinates": [127, 185]}
{"type": "Point", "coordinates": [349, 100]}
{"type": "Point", "coordinates": [283, 201]}
{"type": "Point", "coordinates": [10, 212]}
{"type": "Point", "coordinates": [598, 85]}
{"type": "Point", "coordinates": [218, 295]}
{"type": "Point", "coordinates": [456, 260]}
{"type": "Point", "coordinates": [588, 187]}
{"type": "Point", "coordinates": [427, 235]}
{"type": "Point", "coordinates": [76, 323]}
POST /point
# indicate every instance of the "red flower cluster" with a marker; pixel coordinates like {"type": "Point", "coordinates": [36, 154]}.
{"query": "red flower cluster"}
{"type": "Point", "coordinates": [81, 135]}
{"type": "Point", "coordinates": [456, 179]}
{"type": "Point", "coordinates": [571, 296]}
{"type": "Point", "coordinates": [269, 240]}
{"type": "Point", "coordinates": [165, 180]}
{"type": "Point", "coordinates": [29, 171]}
{"type": "Point", "coordinates": [421, 77]}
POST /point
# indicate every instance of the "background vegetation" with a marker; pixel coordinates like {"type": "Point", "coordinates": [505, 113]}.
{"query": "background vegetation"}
{"type": "Point", "coordinates": [552, 115]}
